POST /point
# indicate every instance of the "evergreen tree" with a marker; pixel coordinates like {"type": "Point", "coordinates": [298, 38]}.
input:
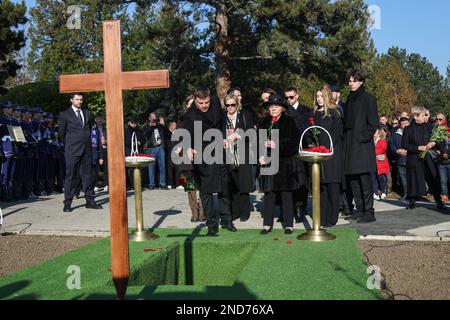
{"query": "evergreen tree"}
{"type": "Point", "coordinates": [12, 16]}
{"type": "Point", "coordinates": [425, 78]}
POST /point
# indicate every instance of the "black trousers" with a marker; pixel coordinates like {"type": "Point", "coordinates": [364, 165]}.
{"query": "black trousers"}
{"type": "Point", "coordinates": [287, 208]}
{"type": "Point", "coordinates": [82, 163]}
{"type": "Point", "coordinates": [17, 179]}
{"type": "Point", "coordinates": [361, 185]}
{"type": "Point", "coordinates": [233, 202]}
{"type": "Point", "coordinates": [211, 215]}
{"type": "Point", "coordinates": [104, 167]}
{"type": "Point", "coordinates": [172, 172]}
{"type": "Point", "coordinates": [330, 196]}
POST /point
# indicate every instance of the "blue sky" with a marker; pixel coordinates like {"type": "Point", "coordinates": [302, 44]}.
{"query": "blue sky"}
{"type": "Point", "coordinates": [417, 25]}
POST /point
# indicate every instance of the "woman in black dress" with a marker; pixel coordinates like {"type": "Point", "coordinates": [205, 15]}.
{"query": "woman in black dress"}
{"type": "Point", "coordinates": [283, 182]}
{"type": "Point", "coordinates": [328, 116]}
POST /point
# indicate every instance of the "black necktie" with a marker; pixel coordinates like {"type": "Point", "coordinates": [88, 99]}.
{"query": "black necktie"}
{"type": "Point", "coordinates": [79, 117]}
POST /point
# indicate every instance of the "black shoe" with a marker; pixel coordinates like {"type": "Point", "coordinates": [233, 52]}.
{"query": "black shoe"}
{"type": "Point", "coordinates": [212, 232]}
{"type": "Point", "coordinates": [355, 216]}
{"type": "Point", "coordinates": [288, 231]}
{"type": "Point", "coordinates": [93, 205]}
{"type": "Point", "coordinates": [229, 226]}
{"type": "Point", "coordinates": [346, 213]}
{"type": "Point", "coordinates": [266, 231]}
{"type": "Point", "coordinates": [367, 218]}
{"type": "Point", "coordinates": [411, 206]}
{"type": "Point", "coordinates": [244, 219]}
{"type": "Point", "coordinates": [441, 208]}
{"type": "Point", "coordinates": [67, 208]}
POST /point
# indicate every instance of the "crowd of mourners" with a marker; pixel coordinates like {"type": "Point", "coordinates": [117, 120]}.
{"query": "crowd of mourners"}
{"type": "Point", "coordinates": [373, 156]}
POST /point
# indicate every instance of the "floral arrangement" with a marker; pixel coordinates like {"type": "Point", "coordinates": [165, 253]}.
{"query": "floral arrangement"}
{"type": "Point", "coordinates": [315, 147]}
{"type": "Point", "coordinates": [188, 183]}
{"type": "Point", "coordinates": [438, 135]}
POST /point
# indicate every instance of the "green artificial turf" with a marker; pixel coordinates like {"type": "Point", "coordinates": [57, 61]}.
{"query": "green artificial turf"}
{"type": "Point", "coordinates": [185, 264]}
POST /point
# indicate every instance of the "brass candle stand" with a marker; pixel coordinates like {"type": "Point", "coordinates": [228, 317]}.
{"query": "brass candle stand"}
{"type": "Point", "coordinates": [317, 233]}
{"type": "Point", "coordinates": [140, 234]}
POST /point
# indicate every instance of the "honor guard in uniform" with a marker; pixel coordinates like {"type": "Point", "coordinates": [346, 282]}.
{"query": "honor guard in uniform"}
{"type": "Point", "coordinates": [7, 170]}
{"type": "Point", "coordinates": [30, 155]}
{"type": "Point", "coordinates": [39, 173]}
{"type": "Point", "coordinates": [19, 157]}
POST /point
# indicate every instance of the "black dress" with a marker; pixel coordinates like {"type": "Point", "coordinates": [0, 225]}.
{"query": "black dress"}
{"type": "Point", "coordinates": [332, 170]}
{"type": "Point", "coordinates": [418, 170]}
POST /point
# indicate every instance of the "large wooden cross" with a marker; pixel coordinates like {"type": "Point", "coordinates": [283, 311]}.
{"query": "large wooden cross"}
{"type": "Point", "coordinates": [113, 81]}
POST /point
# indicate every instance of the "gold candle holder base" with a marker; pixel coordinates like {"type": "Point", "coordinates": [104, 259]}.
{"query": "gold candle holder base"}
{"type": "Point", "coordinates": [317, 236]}
{"type": "Point", "coordinates": [142, 235]}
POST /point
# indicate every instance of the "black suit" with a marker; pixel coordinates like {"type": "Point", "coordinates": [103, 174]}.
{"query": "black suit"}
{"type": "Point", "coordinates": [78, 152]}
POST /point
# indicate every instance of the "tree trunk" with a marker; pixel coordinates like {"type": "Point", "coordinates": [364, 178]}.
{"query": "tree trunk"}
{"type": "Point", "coordinates": [222, 50]}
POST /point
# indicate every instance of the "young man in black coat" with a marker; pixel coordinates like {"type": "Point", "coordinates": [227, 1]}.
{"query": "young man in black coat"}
{"type": "Point", "coordinates": [361, 122]}
{"type": "Point", "coordinates": [75, 126]}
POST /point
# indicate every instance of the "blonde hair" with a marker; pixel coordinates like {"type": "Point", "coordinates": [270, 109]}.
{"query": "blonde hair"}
{"type": "Point", "coordinates": [382, 134]}
{"type": "Point", "coordinates": [417, 111]}
{"type": "Point", "coordinates": [329, 104]}
{"type": "Point", "coordinates": [231, 96]}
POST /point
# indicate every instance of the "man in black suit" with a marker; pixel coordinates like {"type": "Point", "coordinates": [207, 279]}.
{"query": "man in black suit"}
{"type": "Point", "coordinates": [75, 125]}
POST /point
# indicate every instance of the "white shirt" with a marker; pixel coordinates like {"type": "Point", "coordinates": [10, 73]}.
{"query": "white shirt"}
{"type": "Point", "coordinates": [295, 106]}
{"type": "Point", "coordinates": [75, 109]}
{"type": "Point", "coordinates": [233, 119]}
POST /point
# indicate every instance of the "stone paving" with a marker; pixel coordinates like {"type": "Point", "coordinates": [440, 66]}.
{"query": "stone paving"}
{"type": "Point", "coordinates": [170, 208]}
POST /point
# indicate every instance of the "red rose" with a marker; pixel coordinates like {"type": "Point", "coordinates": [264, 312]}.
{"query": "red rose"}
{"type": "Point", "coordinates": [274, 119]}
{"type": "Point", "coordinates": [311, 120]}
{"type": "Point", "coordinates": [182, 181]}
{"type": "Point", "coordinates": [289, 241]}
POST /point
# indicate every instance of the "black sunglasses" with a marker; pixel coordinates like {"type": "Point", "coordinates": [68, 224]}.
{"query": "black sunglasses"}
{"type": "Point", "coordinates": [230, 105]}
{"type": "Point", "coordinates": [439, 119]}
{"type": "Point", "coordinates": [290, 98]}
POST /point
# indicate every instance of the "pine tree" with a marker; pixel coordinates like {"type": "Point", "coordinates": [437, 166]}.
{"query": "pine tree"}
{"type": "Point", "coordinates": [12, 16]}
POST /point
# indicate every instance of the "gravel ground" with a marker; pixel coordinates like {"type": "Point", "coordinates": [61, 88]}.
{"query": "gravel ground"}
{"type": "Point", "coordinates": [18, 252]}
{"type": "Point", "coordinates": [411, 270]}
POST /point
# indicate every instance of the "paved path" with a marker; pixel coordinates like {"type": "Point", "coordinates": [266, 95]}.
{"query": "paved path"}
{"type": "Point", "coordinates": [169, 208]}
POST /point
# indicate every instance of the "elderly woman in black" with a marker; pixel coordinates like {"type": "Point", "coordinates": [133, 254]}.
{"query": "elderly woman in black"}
{"type": "Point", "coordinates": [237, 179]}
{"type": "Point", "coordinates": [284, 181]}
{"type": "Point", "coordinates": [415, 140]}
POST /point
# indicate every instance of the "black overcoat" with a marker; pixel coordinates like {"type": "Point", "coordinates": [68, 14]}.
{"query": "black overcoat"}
{"type": "Point", "coordinates": [208, 175]}
{"type": "Point", "coordinates": [414, 136]}
{"type": "Point", "coordinates": [244, 121]}
{"type": "Point", "coordinates": [287, 177]}
{"type": "Point", "coordinates": [332, 170]}
{"type": "Point", "coordinates": [361, 122]}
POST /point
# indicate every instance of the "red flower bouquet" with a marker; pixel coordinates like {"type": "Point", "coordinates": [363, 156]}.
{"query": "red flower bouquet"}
{"type": "Point", "coordinates": [318, 149]}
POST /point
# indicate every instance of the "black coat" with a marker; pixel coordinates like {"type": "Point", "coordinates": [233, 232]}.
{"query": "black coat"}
{"type": "Point", "coordinates": [414, 136]}
{"type": "Point", "coordinates": [244, 121]}
{"type": "Point", "coordinates": [361, 123]}
{"type": "Point", "coordinates": [76, 138]}
{"type": "Point", "coordinates": [286, 179]}
{"type": "Point", "coordinates": [301, 116]}
{"type": "Point", "coordinates": [333, 169]}
{"type": "Point", "coordinates": [208, 175]}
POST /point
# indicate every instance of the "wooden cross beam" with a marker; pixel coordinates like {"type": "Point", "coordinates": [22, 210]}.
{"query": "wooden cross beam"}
{"type": "Point", "coordinates": [113, 81]}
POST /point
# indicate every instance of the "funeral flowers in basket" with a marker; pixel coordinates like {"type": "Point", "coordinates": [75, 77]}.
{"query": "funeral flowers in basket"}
{"type": "Point", "coordinates": [438, 135]}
